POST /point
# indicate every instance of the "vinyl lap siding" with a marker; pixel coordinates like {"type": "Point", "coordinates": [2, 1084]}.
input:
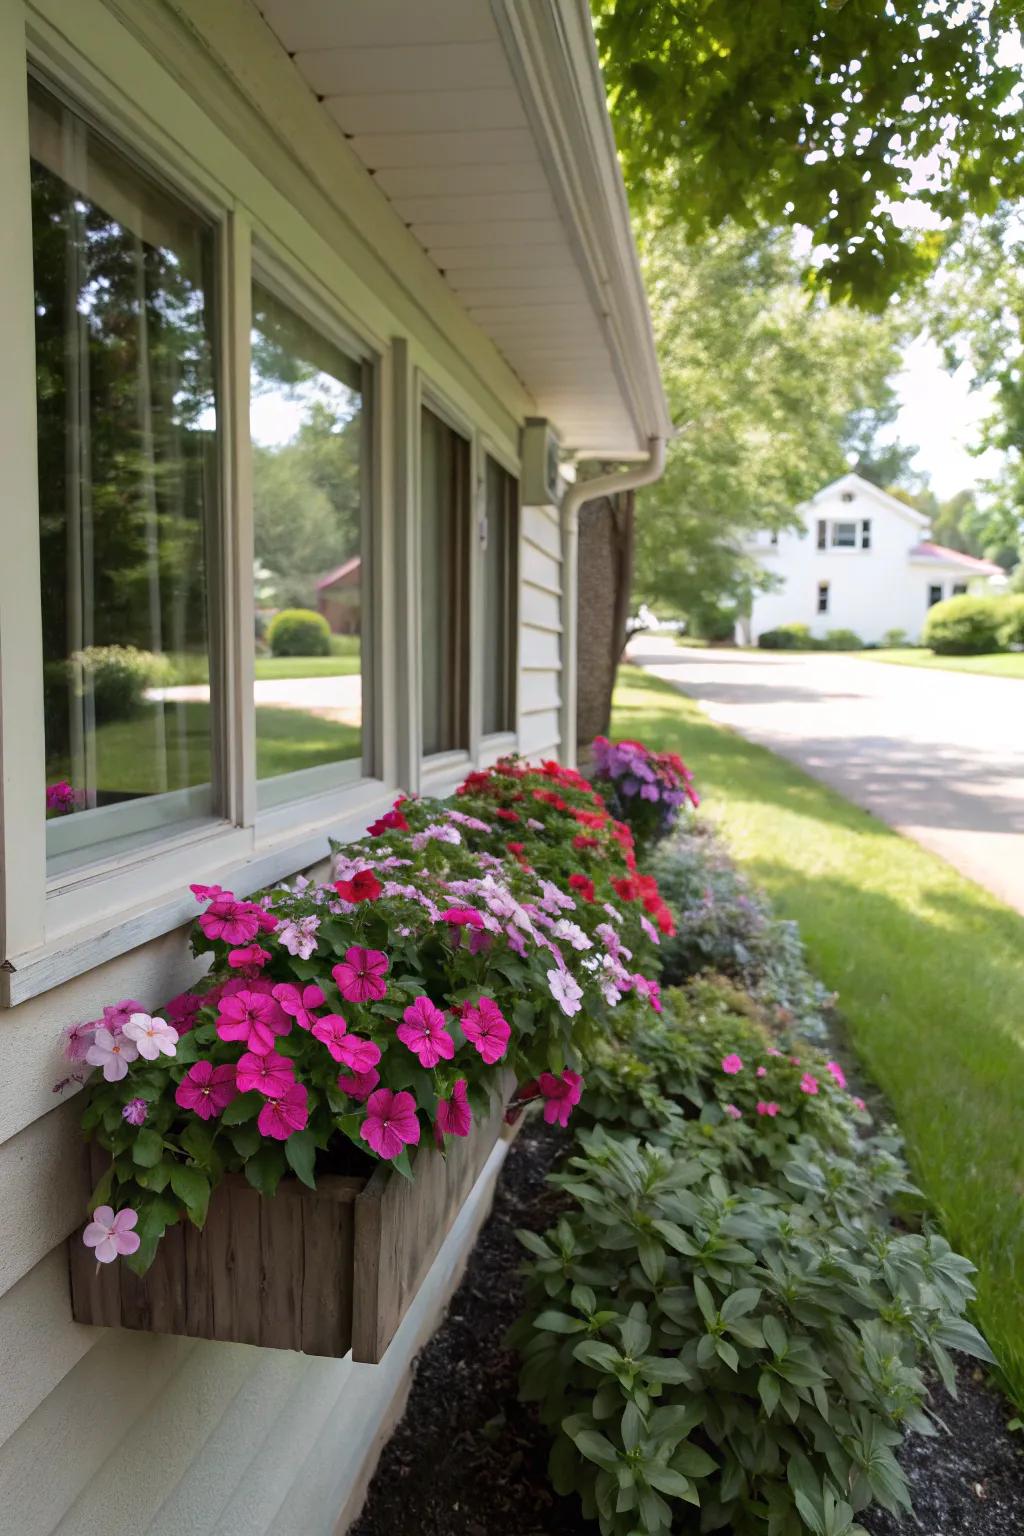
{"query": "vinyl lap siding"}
{"type": "Point", "coordinates": [540, 632]}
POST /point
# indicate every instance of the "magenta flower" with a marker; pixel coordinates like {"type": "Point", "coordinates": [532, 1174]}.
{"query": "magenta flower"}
{"type": "Point", "coordinates": [559, 1093]}
{"type": "Point", "coordinates": [859, 1105]}
{"type": "Point", "coordinates": [76, 1039]}
{"type": "Point", "coordinates": [732, 1064]}
{"type": "Point", "coordinates": [299, 1002]}
{"type": "Point", "coordinates": [206, 1090]}
{"type": "Point", "coordinates": [181, 1011]}
{"type": "Point", "coordinates": [485, 1027]}
{"type": "Point", "coordinates": [112, 1053]}
{"type": "Point", "coordinates": [761, 1072]}
{"type": "Point", "coordinates": [110, 1235]}
{"type": "Point", "coordinates": [359, 1085]}
{"type": "Point", "coordinates": [269, 1074]}
{"type": "Point", "coordinates": [836, 1072]}
{"type": "Point", "coordinates": [770, 1108]}
{"type": "Point", "coordinates": [360, 976]}
{"type": "Point", "coordinates": [287, 1113]}
{"type": "Point", "coordinates": [235, 922]}
{"type": "Point", "coordinates": [463, 917]}
{"type": "Point", "coordinates": [208, 892]}
{"type": "Point", "coordinates": [808, 1084]}
{"type": "Point", "coordinates": [391, 1122]}
{"type": "Point", "coordinates": [454, 1116]}
{"type": "Point", "coordinates": [116, 1016]}
{"type": "Point", "coordinates": [60, 797]}
{"type": "Point", "coordinates": [135, 1111]}
{"type": "Point", "coordinates": [423, 1031]}
{"type": "Point", "coordinates": [255, 1017]}
{"type": "Point", "coordinates": [359, 1055]}
{"type": "Point", "coordinates": [330, 1031]}
{"type": "Point", "coordinates": [249, 957]}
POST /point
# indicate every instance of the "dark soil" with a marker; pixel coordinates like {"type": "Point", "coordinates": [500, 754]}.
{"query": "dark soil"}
{"type": "Point", "coordinates": [469, 1460]}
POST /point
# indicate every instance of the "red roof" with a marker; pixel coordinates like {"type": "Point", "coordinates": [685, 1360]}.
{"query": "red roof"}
{"type": "Point", "coordinates": [929, 551]}
{"type": "Point", "coordinates": [349, 568]}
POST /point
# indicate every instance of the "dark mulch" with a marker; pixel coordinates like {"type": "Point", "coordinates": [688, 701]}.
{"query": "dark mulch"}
{"type": "Point", "coordinates": [469, 1460]}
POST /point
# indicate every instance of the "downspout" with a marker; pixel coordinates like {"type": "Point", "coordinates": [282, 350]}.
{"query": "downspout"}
{"type": "Point", "coordinates": [627, 479]}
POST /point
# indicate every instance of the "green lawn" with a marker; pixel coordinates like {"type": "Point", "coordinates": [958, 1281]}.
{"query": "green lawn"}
{"type": "Point", "coordinates": [929, 969]}
{"type": "Point", "coordinates": [1000, 664]}
{"type": "Point", "coordinates": [286, 739]}
{"type": "Point", "coordinates": [306, 666]}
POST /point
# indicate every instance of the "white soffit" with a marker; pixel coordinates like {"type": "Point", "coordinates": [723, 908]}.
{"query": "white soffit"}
{"type": "Point", "coordinates": [485, 128]}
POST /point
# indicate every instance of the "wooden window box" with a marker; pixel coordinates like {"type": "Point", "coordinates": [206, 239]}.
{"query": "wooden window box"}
{"type": "Point", "coordinates": [321, 1271]}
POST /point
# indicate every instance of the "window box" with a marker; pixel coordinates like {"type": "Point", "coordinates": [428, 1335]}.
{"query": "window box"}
{"type": "Point", "coordinates": [321, 1271]}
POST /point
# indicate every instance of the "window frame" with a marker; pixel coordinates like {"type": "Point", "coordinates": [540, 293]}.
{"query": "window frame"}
{"type": "Point", "coordinates": [833, 535]}
{"type": "Point", "coordinates": [935, 586]}
{"type": "Point", "coordinates": [824, 596]}
{"type": "Point", "coordinates": [498, 742]}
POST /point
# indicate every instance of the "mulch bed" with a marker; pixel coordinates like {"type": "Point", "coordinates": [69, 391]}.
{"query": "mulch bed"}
{"type": "Point", "coordinates": [469, 1460]}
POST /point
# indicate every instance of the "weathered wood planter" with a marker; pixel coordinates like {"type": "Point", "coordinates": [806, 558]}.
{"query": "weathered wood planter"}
{"type": "Point", "coordinates": [322, 1271]}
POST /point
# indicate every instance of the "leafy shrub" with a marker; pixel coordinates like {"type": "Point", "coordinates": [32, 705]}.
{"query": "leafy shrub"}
{"type": "Point", "coordinates": [843, 640]}
{"type": "Point", "coordinates": [787, 637]}
{"type": "Point", "coordinates": [117, 677]}
{"type": "Point", "coordinates": [695, 1339]}
{"type": "Point", "coordinates": [1011, 626]}
{"type": "Point", "coordinates": [964, 626]}
{"type": "Point", "coordinates": [644, 789]}
{"type": "Point", "coordinates": [896, 640]}
{"type": "Point", "coordinates": [299, 632]}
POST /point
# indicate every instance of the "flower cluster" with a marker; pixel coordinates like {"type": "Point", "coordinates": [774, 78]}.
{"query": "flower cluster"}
{"type": "Point", "coordinates": [646, 789]}
{"type": "Point", "coordinates": [358, 1018]}
{"type": "Point", "coordinates": [60, 798]}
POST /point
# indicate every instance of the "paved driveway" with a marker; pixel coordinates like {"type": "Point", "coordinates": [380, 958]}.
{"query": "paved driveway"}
{"type": "Point", "coordinates": [940, 755]}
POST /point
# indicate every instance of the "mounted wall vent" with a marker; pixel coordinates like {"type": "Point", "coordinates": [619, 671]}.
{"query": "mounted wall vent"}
{"type": "Point", "coordinates": [541, 480]}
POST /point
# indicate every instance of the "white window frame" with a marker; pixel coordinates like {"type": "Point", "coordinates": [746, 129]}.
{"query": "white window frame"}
{"type": "Point", "coordinates": [496, 744]}
{"type": "Point", "coordinates": [833, 535]}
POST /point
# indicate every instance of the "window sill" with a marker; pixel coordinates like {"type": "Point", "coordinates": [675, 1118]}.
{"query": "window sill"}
{"type": "Point", "coordinates": [152, 898]}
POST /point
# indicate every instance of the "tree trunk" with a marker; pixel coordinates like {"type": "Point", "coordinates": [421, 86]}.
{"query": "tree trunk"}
{"type": "Point", "coordinates": [605, 582]}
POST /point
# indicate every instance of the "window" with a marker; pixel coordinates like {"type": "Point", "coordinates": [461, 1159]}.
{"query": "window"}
{"type": "Point", "coordinates": [307, 417]}
{"type": "Point", "coordinates": [934, 595]}
{"type": "Point", "coordinates": [444, 585]}
{"type": "Point", "coordinates": [846, 496]}
{"type": "Point", "coordinates": [822, 533]}
{"type": "Point", "coordinates": [773, 538]}
{"type": "Point", "coordinates": [865, 534]}
{"type": "Point", "coordinates": [823, 596]}
{"type": "Point", "coordinates": [844, 535]}
{"type": "Point", "coordinates": [128, 490]}
{"type": "Point", "coordinates": [500, 579]}
{"type": "Point", "coordinates": [959, 589]}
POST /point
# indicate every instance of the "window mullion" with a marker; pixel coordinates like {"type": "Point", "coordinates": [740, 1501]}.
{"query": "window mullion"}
{"type": "Point", "coordinates": [238, 605]}
{"type": "Point", "coordinates": [22, 750]}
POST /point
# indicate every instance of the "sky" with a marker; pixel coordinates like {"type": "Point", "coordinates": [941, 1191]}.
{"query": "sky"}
{"type": "Point", "coordinates": [940, 413]}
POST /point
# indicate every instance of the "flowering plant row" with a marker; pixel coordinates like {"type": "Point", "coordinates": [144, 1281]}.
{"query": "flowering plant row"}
{"type": "Point", "coordinates": [348, 1022]}
{"type": "Point", "coordinates": [646, 789]}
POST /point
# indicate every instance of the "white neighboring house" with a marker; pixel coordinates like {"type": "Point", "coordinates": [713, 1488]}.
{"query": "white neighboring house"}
{"type": "Point", "coordinates": [862, 561]}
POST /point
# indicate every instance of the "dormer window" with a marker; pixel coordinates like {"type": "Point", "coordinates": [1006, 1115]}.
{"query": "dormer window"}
{"type": "Point", "coordinates": [846, 496]}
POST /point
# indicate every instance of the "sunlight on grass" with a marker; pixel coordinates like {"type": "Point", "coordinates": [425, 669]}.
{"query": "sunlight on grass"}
{"type": "Point", "coordinates": [929, 969]}
{"type": "Point", "coordinates": [1010, 664]}
{"type": "Point", "coordinates": [275, 667]}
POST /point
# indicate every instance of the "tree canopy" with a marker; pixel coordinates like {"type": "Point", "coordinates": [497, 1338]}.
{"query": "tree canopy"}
{"type": "Point", "coordinates": [831, 114]}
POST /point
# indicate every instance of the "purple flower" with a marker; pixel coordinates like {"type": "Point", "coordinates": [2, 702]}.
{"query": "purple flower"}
{"type": "Point", "coordinates": [135, 1111]}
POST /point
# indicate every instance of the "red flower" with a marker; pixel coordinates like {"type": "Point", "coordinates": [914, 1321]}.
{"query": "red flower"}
{"type": "Point", "coordinates": [581, 841]}
{"type": "Point", "coordinates": [391, 821]}
{"type": "Point", "coordinates": [591, 818]}
{"type": "Point", "coordinates": [516, 848]}
{"type": "Point", "coordinates": [504, 815]}
{"type": "Point", "coordinates": [364, 886]}
{"type": "Point", "coordinates": [626, 887]}
{"type": "Point", "coordinates": [583, 886]}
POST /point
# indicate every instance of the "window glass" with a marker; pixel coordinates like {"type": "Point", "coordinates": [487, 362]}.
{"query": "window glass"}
{"type": "Point", "coordinates": [499, 600]}
{"type": "Point", "coordinates": [444, 593]}
{"type": "Point", "coordinates": [865, 534]}
{"type": "Point", "coordinates": [844, 535]}
{"type": "Point", "coordinates": [128, 486]}
{"type": "Point", "coordinates": [959, 589]}
{"type": "Point", "coordinates": [308, 425]}
{"type": "Point", "coordinates": [823, 597]}
{"type": "Point", "coordinates": [934, 595]}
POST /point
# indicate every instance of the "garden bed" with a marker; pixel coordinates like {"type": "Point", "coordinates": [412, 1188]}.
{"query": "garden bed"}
{"type": "Point", "coordinates": [469, 1459]}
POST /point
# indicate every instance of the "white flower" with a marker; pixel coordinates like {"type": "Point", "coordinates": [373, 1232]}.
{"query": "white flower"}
{"type": "Point", "coordinates": [566, 991]}
{"type": "Point", "coordinates": [112, 1053]}
{"type": "Point", "coordinates": [555, 899]}
{"type": "Point", "coordinates": [613, 912]}
{"type": "Point", "coordinates": [572, 933]}
{"type": "Point", "coordinates": [299, 936]}
{"type": "Point", "coordinates": [153, 1036]}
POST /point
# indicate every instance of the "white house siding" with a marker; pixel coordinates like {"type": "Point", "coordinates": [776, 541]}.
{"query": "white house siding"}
{"type": "Point", "coordinates": [870, 591]}
{"type": "Point", "coordinates": [123, 1434]}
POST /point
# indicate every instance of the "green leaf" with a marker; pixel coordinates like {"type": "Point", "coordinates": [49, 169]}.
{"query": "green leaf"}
{"type": "Point", "coordinates": [245, 1107]}
{"type": "Point", "coordinates": [693, 1461]}
{"type": "Point", "coordinates": [769, 1391]}
{"type": "Point", "coordinates": [775, 1335]}
{"type": "Point", "coordinates": [266, 1167]}
{"type": "Point", "coordinates": [148, 1148]}
{"type": "Point", "coordinates": [667, 1481]}
{"type": "Point", "coordinates": [101, 1194]}
{"type": "Point", "coordinates": [596, 1448]}
{"type": "Point", "coordinates": [156, 1179]}
{"type": "Point", "coordinates": [245, 1139]}
{"type": "Point", "coordinates": [192, 1187]}
{"type": "Point", "coordinates": [559, 1322]}
{"type": "Point", "coordinates": [300, 1150]}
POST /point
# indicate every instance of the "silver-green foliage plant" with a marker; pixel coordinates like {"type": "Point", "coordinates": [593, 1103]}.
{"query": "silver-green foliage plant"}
{"type": "Point", "coordinates": [717, 1354]}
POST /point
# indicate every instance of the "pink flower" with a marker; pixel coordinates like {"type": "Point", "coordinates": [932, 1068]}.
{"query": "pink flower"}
{"type": "Point", "coordinates": [181, 1011]}
{"type": "Point", "coordinates": [732, 1064]}
{"type": "Point", "coordinates": [76, 1039]}
{"type": "Point", "coordinates": [235, 922]}
{"type": "Point", "coordinates": [360, 976]}
{"type": "Point", "coordinates": [808, 1084]}
{"type": "Point", "coordinates": [771, 1108]}
{"type": "Point", "coordinates": [359, 1055]}
{"type": "Point", "coordinates": [135, 1111]}
{"type": "Point", "coordinates": [560, 1094]}
{"type": "Point", "coordinates": [485, 1027]}
{"type": "Point", "coordinates": [330, 1030]}
{"type": "Point", "coordinates": [424, 1033]}
{"type": "Point", "coordinates": [112, 1053]}
{"type": "Point", "coordinates": [391, 1122]}
{"type": "Point", "coordinates": [836, 1072]}
{"type": "Point", "coordinates": [359, 1085]}
{"type": "Point", "coordinates": [859, 1104]}
{"type": "Point", "coordinates": [255, 1017]}
{"type": "Point", "coordinates": [454, 1116]}
{"type": "Point", "coordinates": [253, 955]}
{"type": "Point", "coordinates": [116, 1016]}
{"type": "Point", "coordinates": [206, 1089]}
{"type": "Point", "coordinates": [269, 1074]}
{"type": "Point", "coordinates": [565, 990]}
{"type": "Point", "coordinates": [153, 1036]}
{"type": "Point", "coordinates": [283, 1115]}
{"type": "Point", "coordinates": [299, 1002]}
{"type": "Point", "coordinates": [60, 797]}
{"type": "Point", "coordinates": [208, 892]}
{"type": "Point", "coordinates": [110, 1235]}
{"type": "Point", "coordinates": [761, 1072]}
{"type": "Point", "coordinates": [733, 1112]}
{"type": "Point", "coordinates": [298, 936]}
{"type": "Point", "coordinates": [463, 917]}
